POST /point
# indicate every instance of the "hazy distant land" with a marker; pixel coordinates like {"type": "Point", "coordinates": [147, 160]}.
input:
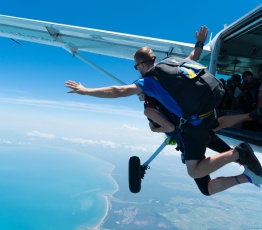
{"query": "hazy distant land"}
{"type": "Point", "coordinates": [169, 199]}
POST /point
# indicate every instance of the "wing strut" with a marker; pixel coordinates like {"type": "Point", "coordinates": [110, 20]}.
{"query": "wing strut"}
{"type": "Point", "coordinates": [72, 49]}
{"type": "Point", "coordinates": [54, 33]}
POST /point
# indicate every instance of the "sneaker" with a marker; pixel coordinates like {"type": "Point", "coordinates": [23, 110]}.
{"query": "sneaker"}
{"type": "Point", "coordinates": [256, 114]}
{"type": "Point", "coordinates": [256, 180]}
{"type": "Point", "coordinates": [248, 158]}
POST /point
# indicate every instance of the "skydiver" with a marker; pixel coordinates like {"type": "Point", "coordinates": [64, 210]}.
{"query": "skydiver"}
{"type": "Point", "coordinates": [195, 138]}
{"type": "Point", "coordinates": [158, 122]}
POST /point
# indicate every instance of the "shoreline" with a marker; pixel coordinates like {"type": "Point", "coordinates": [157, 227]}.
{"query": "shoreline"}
{"type": "Point", "coordinates": [108, 203]}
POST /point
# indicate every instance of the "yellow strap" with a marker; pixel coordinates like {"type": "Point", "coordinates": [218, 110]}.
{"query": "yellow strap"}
{"type": "Point", "coordinates": [204, 115]}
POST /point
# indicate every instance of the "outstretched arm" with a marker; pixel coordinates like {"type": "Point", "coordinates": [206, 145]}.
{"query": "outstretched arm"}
{"type": "Point", "coordinates": [105, 92]}
{"type": "Point", "coordinates": [201, 37]}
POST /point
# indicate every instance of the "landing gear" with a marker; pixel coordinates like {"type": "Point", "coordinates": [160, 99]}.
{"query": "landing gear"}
{"type": "Point", "coordinates": [136, 171]}
{"type": "Point", "coordinates": [134, 174]}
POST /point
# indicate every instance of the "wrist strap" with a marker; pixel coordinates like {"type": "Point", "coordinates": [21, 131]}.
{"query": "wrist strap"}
{"type": "Point", "coordinates": [199, 44]}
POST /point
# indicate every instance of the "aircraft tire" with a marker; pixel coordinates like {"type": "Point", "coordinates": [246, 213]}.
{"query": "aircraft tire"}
{"type": "Point", "coordinates": [134, 174]}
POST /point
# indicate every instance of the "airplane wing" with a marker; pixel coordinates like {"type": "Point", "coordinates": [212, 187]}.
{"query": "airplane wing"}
{"type": "Point", "coordinates": [103, 42]}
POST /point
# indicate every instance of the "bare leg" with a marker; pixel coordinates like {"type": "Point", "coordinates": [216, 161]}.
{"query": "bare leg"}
{"type": "Point", "coordinates": [198, 169]}
{"type": "Point", "coordinates": [222, 183]}
{"type": "Point", "coordinates": [231, 120]}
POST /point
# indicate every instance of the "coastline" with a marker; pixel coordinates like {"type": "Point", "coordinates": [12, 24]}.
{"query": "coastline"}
{"type": "Point", "coordinates": [108, 203]}
{"type": "Point", "coordinates": [107, 189]}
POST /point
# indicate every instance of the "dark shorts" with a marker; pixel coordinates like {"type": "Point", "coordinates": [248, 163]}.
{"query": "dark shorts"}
{"type": "Point", "coordinates": [219, 146]}
{"type": "Point", "coordinates": [197, 138]}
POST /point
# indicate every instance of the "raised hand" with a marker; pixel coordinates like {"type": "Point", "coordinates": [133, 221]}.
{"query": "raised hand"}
{"type": "Point", "coordinates": [76, 87]}
{"type": "Point", "coordinates": [201, 36]}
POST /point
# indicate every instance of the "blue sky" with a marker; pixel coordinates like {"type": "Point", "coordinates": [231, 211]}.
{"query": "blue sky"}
{"type": "Point", "coordinates": [33, 98]}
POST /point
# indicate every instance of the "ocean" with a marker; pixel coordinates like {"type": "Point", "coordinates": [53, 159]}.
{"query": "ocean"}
{"type": "Point", "coordinates": [50, 188]}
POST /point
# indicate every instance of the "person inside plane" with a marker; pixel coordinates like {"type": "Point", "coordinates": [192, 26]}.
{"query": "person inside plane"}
{"type": "Point", "coordinates": [228, 97]}
{"type": "Point", "coordinates": [249, 89]}
{"type": "Point", "coordinates": [223, 104]}
{"type": "Point", "coordinates": [259, 96]}
{"type": "Point", "coordinates": [195, 137]}
{"type": "Point", "coordinates": [237, 103]}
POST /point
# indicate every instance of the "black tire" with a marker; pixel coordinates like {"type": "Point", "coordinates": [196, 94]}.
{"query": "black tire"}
{"type": "Point", "coordinates": [134, 174]}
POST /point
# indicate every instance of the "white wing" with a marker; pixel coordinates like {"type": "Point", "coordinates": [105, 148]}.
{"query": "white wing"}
{"type": "Point", "coordinates": [90, 40]}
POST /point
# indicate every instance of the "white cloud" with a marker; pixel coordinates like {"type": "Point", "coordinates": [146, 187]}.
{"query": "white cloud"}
{"type": "Point", "coordinates": [132, 128]}
{"type": "Point", "coordinates": [171, 150]}
{"type": "Point", "coordinates": [77, 106]}
{"type": "Point", "coordinates": [83, 141]}
{"type": "Point", "coordinates": [4, 141]}
{"type": "Point", "coordinates": [23, 143]}
{"type": "Point", "coordinates": [141, 148]}
{"type": "Point", "coordinates": [42, 135]}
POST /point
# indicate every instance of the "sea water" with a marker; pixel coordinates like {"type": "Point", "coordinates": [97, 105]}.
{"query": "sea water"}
{"type": "Point", "coordinates": [49, 188]}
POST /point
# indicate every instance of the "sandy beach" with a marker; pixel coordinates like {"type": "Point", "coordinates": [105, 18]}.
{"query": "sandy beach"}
{"type": "Point", "coordinates": [108, 203]}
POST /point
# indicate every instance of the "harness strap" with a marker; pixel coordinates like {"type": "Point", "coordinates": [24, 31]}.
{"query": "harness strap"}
{"type": "Point", "coordinates": [185, 121]}
{"type": "Point", "coordinates": [153, 103]}
{"type": "Point", "coordinates": [205, 115]}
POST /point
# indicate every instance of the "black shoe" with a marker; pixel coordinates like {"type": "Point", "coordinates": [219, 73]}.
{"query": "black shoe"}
{"type": "Point", "coordinates": [248, 158]}
{"type": "Point", "coordinates": [256, 114]}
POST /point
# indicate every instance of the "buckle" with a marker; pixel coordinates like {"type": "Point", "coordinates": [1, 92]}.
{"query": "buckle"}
{"type": "Point", "coordinates": [182, 122]}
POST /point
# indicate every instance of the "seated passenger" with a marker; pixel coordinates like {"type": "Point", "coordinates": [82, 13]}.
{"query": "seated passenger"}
{"type": "Point", "coordinates": [259, 95]}
{"type": "Point", "coordinates": [230, 93]}
{"type": "Point", "coordinates": [238, 103]}
{"type": "Point", "coordinates": [249, 91]}
{"type": "Point", "coordinates": [225, 102]}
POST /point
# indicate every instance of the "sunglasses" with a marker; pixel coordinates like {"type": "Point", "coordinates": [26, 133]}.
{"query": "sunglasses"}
{"type": "Point", "coordinates": [136, 65]}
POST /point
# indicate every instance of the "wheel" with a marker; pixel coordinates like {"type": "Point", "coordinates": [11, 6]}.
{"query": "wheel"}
{"type": "Point", "coordinates": [134, 174]}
